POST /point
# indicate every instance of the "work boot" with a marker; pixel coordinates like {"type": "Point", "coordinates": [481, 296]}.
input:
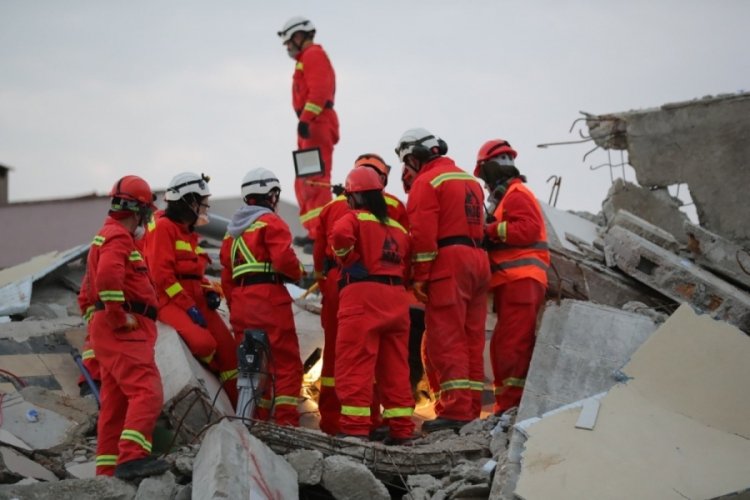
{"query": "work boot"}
{"type": "Point", "coordinates": [440, 423]}
{"type": "Point", "coordinates": [395, 441]}
{"type": "Point", "coordinates": [380, 433]}
{"type": "Point", "coordinates": [301, 241]}
{"type": "Point", "coordinates": [142, 467]}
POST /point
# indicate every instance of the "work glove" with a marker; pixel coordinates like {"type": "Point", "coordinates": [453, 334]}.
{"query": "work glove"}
{"type": "Point", "coordinates": [356, 271]}
{"type": "Point", "coordinates": [196, 316]}
{"type": "Point", "coordinates": [337, 189]}
{"type": "Point", "coordinates": [420, 291]}
{"type": "Point", "coordinates": [303, 129]}
{"type": "Point", "coordinates": [213, 300]}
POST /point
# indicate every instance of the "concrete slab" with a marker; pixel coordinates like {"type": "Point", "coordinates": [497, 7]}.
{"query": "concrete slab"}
{"type": "Point", "coordinates": [346, 479]}
{"type": "Point", "coordinates": [644, 229]}
{"type": "Point", "coordinates": [560, 222]}
{"type": "Point", "coordinates": [719, 255]}
{"type": "Point", "coordinates": [678, 278]}
{"type": "Point", "coordinates": [84, 470]}
{"type": "Point", "coordinates": [99, 488]}
{"type": "Point", "coordinates": [13, 464]}
{"type": "Point", "coordinates": [231, 463]}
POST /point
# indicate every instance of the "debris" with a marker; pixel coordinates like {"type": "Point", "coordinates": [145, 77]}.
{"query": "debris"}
{"type": "Point", "coordinates": [99, 488]}
{"type": "Point", "coordinates": [308, 464]}
{"type": "Point", "coordinates": [163, 486]}
{"type": "Point", "coordinates": [14, 466]}
{"type": "Point", "coordinates": [346, 479]}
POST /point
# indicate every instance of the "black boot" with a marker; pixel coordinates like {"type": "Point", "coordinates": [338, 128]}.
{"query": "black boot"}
{"type": "Point", "coordinates": [442, 423]}
{"type": "Point", "coordinates": [142, 467]}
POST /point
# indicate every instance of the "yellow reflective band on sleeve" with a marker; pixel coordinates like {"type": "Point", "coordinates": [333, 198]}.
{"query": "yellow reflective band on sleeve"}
{"type": "Point", "coordinates": [207, 359]}
{"type": "Point", "coordinates": [298, 66]}
{"type": "Point", "coordinates": [88, 354]}
{"type": "Point", "coordinates": [310, 215]}
{"type": "Point", "coordinates": [135, 256]}
{"type": "Point", "coordinates": [355, 411]}
{"type": "Point", "coordinates": [98, 240]}
{"type": "Point", "coordinates": [227, 375]}
{"type": "Point", "coordinates": [424, 257]}
{"type": "Point", "coordinates": [88, 313]}
{"type": "Point", "coordinates": [476, 385]}
{"type": "Point", "coordinates": [340, 252]}
{"type": "Point", "coordinates": [327, 381]}
{"type": "Point", "coordinates": [502, 230]}
{"type": "Point", "coordinates": [286, 400]}
{"type": "Point", "coordinates": [112, 296]}
{"type": "Point", "coordinates": [456, 384]}
{"type": "Point", "coordinates": [391, 201]}
{"type": "Point", "coordinates": [105, 460]}
{"type": "Point", "coordinates": [173, 289]}
{"type": "Point", "coordinates": [513, 382]}
{"type": "Point", "coordinates": [451, 176]}
{"type": "Point", "coordinates": [398, 412]}
{"type": "Point", "coordinates": [368, 217]}
{"type": "Point", "coordinates": [199, 250]}
{"type": "Point", "coordinates": [136, 437]}
{"type": "Point", "coordinates": [183, 245]}
{"type": "Point", "coordinates": [313, 108]}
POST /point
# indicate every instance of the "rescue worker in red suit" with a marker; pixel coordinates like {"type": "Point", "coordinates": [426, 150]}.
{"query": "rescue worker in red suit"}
{"type": "Point", "coordinates": [123, 334]}
{"type": "Point", "coordinates": [373, 336]}
{"type": "Point", "coordinates": [187, 299]}
{"type": "Point", "coordinates": [519, 259]}
{"type": "Point", "coordinates": [257, 258]}
{"type": "Point", "coordinates": [313, 91]}
{"type": "Point", "coordinates": [88, 358]}
{"type": "Point", "coordinates": [450, 272]}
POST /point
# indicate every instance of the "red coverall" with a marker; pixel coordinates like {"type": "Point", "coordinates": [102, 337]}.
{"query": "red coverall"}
{"type": "Point", "coordinates": [446, 212]}
{"type": "Point", "coordinates": [254, 267]}
{"type": "Point", "coordinates": [519, 259]}
{"type": "Point", "coordinates": [396, 210]}
{"type": "Point", "coordinates": [177, 265]}
{"type": "Point", "coordinates": [313, 90]}
{"type": "Point", "coordinates": [131, 391]}
{"type": "Point", "coordinates": [87, 352]}
{"type": "Point", "coordinates": [373, 336]}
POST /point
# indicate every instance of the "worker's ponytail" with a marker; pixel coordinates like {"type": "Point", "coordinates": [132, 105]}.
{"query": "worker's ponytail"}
{"type": "Point", "coordinates": [374, 202]}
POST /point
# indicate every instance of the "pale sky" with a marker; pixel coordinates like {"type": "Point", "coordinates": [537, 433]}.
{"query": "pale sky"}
{"type": "Point", "coordinates": [93, 90]}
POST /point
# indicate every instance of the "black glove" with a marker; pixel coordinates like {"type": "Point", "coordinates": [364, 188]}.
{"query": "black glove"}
{"type": "Point", "coordinates": [338, 189]}
{"type": "Point", "coordinates": [213, 300]}
{"type": "Point", "coordinates": [303, 130]}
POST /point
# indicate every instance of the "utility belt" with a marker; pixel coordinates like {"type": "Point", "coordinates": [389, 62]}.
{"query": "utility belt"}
{"type": "Point", "coordinates": [373, 278]}
{"type": "Point", "coordinates": [188, 277]}
{"type": "Point", "coordinates": [459, 240]}
{"type": "Point", "coordinates": [133, 307]}
{"type": "Point", "coordinates": [259, 278]}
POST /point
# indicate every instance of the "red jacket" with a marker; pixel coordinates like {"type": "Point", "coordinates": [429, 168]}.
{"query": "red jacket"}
{"type": "Point", "coordinates": [313, 83]}
{"type": "Point", "coordinates": [322, 252]}
{"type": "Point", "coordinates": [519, 238]}
{"type": "Point", "coordinates": [116, 273]}
{"type": "Point", "coordinates": [444, 201]}
{"type": "Point", "coordinates": [174, 257]}
{"type": "Point", "coordinates": [396, 210]}
{"type": "Point", "coordinates": [383, 249]}
{"type": "Point", "coordinates": [269, 243]}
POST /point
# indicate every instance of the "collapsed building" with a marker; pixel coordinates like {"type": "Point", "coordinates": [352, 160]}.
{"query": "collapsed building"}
{"type": "Point", "coordinates": [636, 387]}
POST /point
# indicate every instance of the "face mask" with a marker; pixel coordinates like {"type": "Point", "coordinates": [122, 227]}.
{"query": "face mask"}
{"type": "Point", "coordinates": [139, 232]}
{"type": "Point", "coordinates": [202, 220]}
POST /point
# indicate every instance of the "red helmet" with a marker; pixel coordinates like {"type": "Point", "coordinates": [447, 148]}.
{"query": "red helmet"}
{"type": "Point", "coordinates": [362, 179]}
{"type": "Point", "coordinates": [373, 161]}
{"type": "Point", "coordinates": [133, 188]}
{"type": "Point", "coordinates": [491, 149]}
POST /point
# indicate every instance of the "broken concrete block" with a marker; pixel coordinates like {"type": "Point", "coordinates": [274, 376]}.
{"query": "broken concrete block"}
{"type": "Point", "coordinates": [233, 464]}
{"type": "Point", "coordinates": [719, 255]}
{"type": "Point", "coordinates": [83, 470]}
{"type": "Point", "coordinates": [349, 480]}
{"type": "Point", "coordinates": [190, 391]}
{"type": "Point", "coordinates": [579, 346]}
{"type": "Point", "coordinates": [163, 486]}
{"type": "Point", "coordinates": [308, 464]}
{"type": "Point", "coordinates": [429, 483]}
{"type": "Point", "coordinates": [99, 488]}
{"type": "Point", "coordinates": [417, 493]}
{"type": "Point", "coordinates": [644, 229]}
{"type": "Point", "coordinates": [678, 278]}
{"type": "Point", "coordinates": [14, 466]}
{"type": "Point", "coordinates": [655, 206]}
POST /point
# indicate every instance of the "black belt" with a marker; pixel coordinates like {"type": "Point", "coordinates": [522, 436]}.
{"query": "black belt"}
{"type": "Point", "coordinates": [188, 276]}
{"type": "Point", "coordinates": [132, 307]}
{"type": "Point", "coordinates": [258, 278]}
{"type": "Point", "coordinates": [374, 278]}
{"type": "Point", "coordinates": [459, 240]}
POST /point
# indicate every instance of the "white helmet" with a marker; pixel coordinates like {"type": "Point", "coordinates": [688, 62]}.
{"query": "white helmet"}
{"type": "Point", "coordinates": [420, 143]}
{"type": "Point", "coordinates": [185, 183]}
{"type": "Point", "coordinates": [259, 181]}
{"type": "Point", "coordinates": [293, 25]}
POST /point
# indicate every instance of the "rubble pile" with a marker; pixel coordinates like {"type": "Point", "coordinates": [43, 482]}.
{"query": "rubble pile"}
{"type": "Point", "coordinates": [637, 386]}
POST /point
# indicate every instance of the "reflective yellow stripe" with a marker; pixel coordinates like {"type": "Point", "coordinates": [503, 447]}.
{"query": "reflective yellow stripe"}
{"type": "Point", "coordinates": [313, 108]}
{"type": "Point", "coordinates": [310, 215]}
{"type": "Point", "coordinates": [135, 256]}
{"type": "Point", "coordinates": [298, 66]}
{"type": "Point", "coordinates": [199, 250]}
{"type": "Point", "coordinates": [183, 245]}
{"type": "Point", "coordinates": [112, 296]}
{"type": "Point", "coordinates": [286, 400]}
{"type": "Point", "coordinates": [391, 201]}
{"type": "Point", "coordinates": [476, 385]}
{"type": "Point", "coordinates": [502, 230]}
{"type": "Point", "coordinates": [328, 381]}
{"type": "Point", "coordinates": [424, 257]}
{"type": "Point", "coordinates": [88, 354]}
{"type": "Point", "coordinates": [355, 411]}
{"type": "Point", "coordinates": [151, 225]}
{"type": "Point", "coordinates": [251, 265]}
{"type": "Point", "coordinates": [397, 412]}
{"type": "Point", "coordinates": [340, 252]}
{"type": "Point", "coordinates": [173, 289]}
{"type": "Point", "coordinates": [98, 240]}
{"type": "Point", "coordinates": [90, 310]}
{"type": "Point", "coordinates": [514, 382]}
{"type": "Point", "coordinates": [456, 384]}
{"type": "Point", "coordinates": [103, 460]}
{"type": "Point", "coordinates": [451, 176]}
{"type": "Point", "coordinates": [365, 216]}
{"type": "Point", "coordinates": [265, 404]}
{"type": "Point", "coordinates": [136, 437]}
{"type": "Point", "coordinates": [227, 375]}
{"type": "Point", "coordinates": [207, 359]}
